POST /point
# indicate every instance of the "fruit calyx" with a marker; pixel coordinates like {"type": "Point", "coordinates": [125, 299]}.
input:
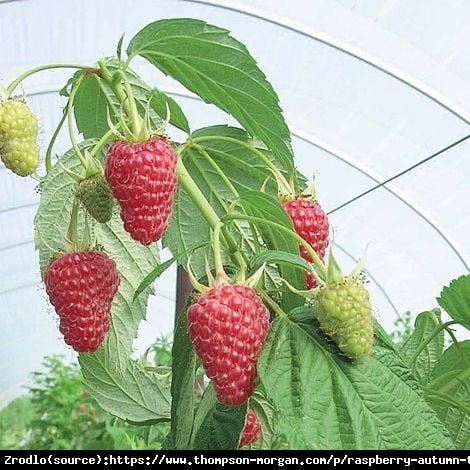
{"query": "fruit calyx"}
{"type": "Point", "coordinates": [90, 167]}
{"type": "Point", "coordinates": [342, 307]}
{"type": "Point", "coordinates": [221, 278]}
{"type": "Point", "coordinates": [309, 193]}
{"type": "Point", "coordinates": [334, 274]}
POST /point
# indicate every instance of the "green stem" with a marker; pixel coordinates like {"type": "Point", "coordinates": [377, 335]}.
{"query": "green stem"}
{"type": "Point", "coordinates": [443, 397]}
{"type": "Point", "coordinates": [218, 264]}
{"type": "Point", "coordinates": [126, 98]}
{"type": "Point", "coordinates": [133, 112]}
{"type": "Point", "coordinates": [224, 178]}
{"type": "Point", "coordinates": [189, 185]}
{"type": "Point", "coordinates": [48, 157]}
{"type": "Point", "coordinates": [76, 148]}
{"type": "Point", "coordinates": [11, 88]}
{"type": "Point", "coordinates": [455, 381]}
{"type": "Point", "coordinates": [465, 359]}
{"type": "Point", "coordinates": [72, 233]}
{"type": "Point", "coordinates": [102, 142]}
{"type": "Point", "coordinates": [273, 305]}
{"type": "Point", "coordinates": [434, 333]}
{"type": "Point", "coordinates": [285, 187]}
{"type": "Point", "coordinates": [217, 169]}
{"type": "Point", "coordinates": [257, 220]}
{"type": "Point", "coordinates": [116, 87]}
{"type": "Point", "coordinates": [127, 63]}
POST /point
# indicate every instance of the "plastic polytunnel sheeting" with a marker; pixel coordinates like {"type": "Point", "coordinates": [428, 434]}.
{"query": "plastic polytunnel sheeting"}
{"type": "Point", "coordinates": [369, 88]}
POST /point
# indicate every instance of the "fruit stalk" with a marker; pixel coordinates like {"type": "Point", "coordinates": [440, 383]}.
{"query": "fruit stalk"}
{"type": "Point", "coordinates": [11, 88]}
{"type": "Point", "coordinates": [73, 141]}
{"type": "Point", "coordinates": [48, 157]}
{"type": "Point", "coordinates": [196, 195]}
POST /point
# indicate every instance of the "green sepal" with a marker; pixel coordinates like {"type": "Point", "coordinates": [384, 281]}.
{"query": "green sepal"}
{"type": "Point", "coordinates": [333, 273]}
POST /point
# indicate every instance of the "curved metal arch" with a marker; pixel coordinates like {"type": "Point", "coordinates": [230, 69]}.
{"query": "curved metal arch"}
{"type": "Point", "coordinates": [17, 288]}
{"type": "Point", "coordinates": [16, 245]}
{"type": "Point", "coordinates": [22, 206]}
{"type": "Point", "coordinates": [351, 51]}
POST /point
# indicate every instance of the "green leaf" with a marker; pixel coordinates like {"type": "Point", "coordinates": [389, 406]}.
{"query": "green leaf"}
{"type": "Point", "coordinates": [119, 47]}
{"type": "Point", "coordinates": [161, 268]}
{"type": "Point", "coordinates": [53, 215]}
{"type": "Point", "coordinates": [449, 392]}
{"type": "Point", "coordinates": [205, 406]}
{"type": "Point", "coordinates": [133, 395]}
{"type": "Point", "coordinates": [221, 428]}
{"type": "Point", "coordinates": [278, 257]}
{"type": "Point", "coordinates": [266, 415]}
{"type": "Point", "coordinates": [160, 101]}
{"type": "Point", "coordinates": [384, 337]}
{"type": "Point", "coordinates": [182, 385]}
{"type": "Point", "coordinates": [263, 206]}
{"type": "Point", "coordinates": [95, 96]}
{"type": "Point", "coordinates": [423, 364]}
{"type": "Point", "coordinates": [218, 68]}
{"type": "Point", "coordinates": [152, 276]}
{"type": "Point", "coordinates": [134, 262]}
{"type": "Point", "coordinates": [455, 300]}
{"type": "Point", "coordinates": [246, 171]}
{"type": "Point", "coordinates": [90, 106]}
{"type": "Point", "coordinates": [328, 402]}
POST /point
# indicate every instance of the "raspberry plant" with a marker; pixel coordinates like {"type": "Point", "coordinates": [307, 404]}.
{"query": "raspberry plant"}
{"type": "Point", "coordinates": [289, 342]}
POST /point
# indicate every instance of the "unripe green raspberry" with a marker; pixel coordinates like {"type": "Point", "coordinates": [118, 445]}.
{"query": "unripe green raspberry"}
{"type": "Point", "coordinates": [20, 155]}
{"type": "Point", "coordinates": [95, 195]}
{"type": "Point", "coordinates": [17, 121]}
{"type": "Point", "coordinates": [18, 138]}
{"type": "Point", "coordinates": [345, 314]}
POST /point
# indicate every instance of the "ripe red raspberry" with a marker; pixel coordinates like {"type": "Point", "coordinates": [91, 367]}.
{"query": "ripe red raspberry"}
{"type": "Point", "coordinates": [142, 178]}
{"type": "Point", "coordinates": [81, 286]}
{"type": "Point", "coordinates": [228, 326]}
{"type": "Point", "coordinates": [251, 430]}
{"type": "Point", "coordinates": [311, 223]}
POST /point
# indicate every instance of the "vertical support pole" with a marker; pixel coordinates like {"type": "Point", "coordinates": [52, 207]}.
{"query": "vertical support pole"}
{"type": "Point", "coordinates": [183, 289]}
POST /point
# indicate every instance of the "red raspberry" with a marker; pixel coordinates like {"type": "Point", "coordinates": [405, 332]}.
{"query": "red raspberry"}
{"type": "Point", "coordinates": [251, 430]}
{"type": "Point", "coordinates": [228, 326]}
{"type": "Point", "coordinates": [81, 286]}
{"type": "Point", "coordinates": [142, 178]}
{"type": "Point", "coordinates": [311, 223]}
